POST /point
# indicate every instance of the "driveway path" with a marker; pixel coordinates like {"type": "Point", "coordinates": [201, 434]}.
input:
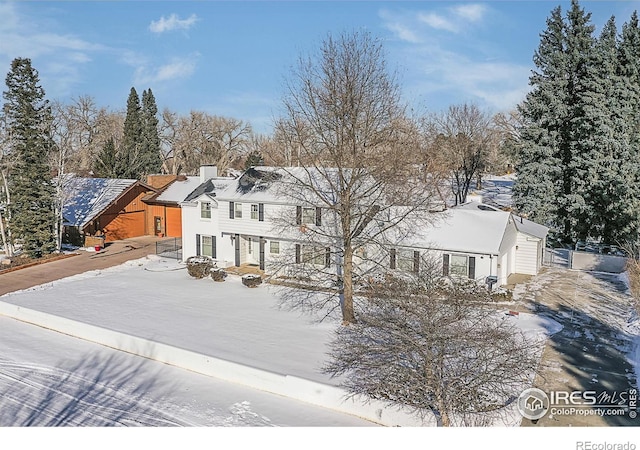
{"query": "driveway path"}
{"type": "Point", "coordinates": [590, 353]}
{"type": "Point", "coordinates": [114, 254]}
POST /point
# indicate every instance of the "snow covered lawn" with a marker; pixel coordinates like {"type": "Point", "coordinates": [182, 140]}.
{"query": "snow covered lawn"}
{"type": "Point", "coordinates": [155, 299]}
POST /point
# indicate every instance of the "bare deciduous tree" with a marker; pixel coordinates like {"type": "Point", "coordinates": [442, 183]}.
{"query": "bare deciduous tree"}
{"type": "Point", "coordinates": [463, 140]}
{"type": "Point", "coordinates": [6, 161]}
{"type": "Point", "coordinates": [199, 138]}
{"type": "Point", "coordinates": [434, 348]}
{"type": "Point", "coordinates": [346, 127]}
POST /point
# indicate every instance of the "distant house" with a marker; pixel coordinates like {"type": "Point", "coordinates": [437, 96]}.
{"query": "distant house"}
{"type": "Point", "coordinates": [104, 206]}
{"type": "Point", "coordinates": [164, 216]}
{"type": "Point", "coordinates": [237, 222]}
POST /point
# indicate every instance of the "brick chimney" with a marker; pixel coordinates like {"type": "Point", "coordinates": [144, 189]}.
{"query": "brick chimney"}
{"type": "Point", "coordinates": [159, 181]}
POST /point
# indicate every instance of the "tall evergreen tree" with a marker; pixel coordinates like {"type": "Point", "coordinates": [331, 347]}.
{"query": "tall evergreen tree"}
{"type": "Point", "coordinates": [611, 170]}
{"type": "Point", "coordinates": [544, 111]}
{"type": "Point", "coordinates": [568, 127]}
{"type": "Point", "coordinates": [150, 139]}
{"type": "Point", "coordinates": [28, 118]}
{"type": "Point", "coordinates": [130, 154]}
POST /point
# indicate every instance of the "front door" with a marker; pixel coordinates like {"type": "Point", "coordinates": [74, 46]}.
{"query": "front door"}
{"type": "Point", "coordinates": [253, 250]}
{"type": "Point", "coordinates": [157, 225]}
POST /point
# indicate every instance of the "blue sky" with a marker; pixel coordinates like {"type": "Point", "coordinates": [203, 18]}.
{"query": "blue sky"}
{"type": "Point", "coordinates": [232, 58]}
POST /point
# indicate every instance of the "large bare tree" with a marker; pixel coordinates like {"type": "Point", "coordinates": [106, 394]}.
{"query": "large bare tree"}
{"type": "Point", "coordinates": [345, 126]}
{"type": "Point", "coordinates": [200, 138]}
{"type": "Point", "coordinates": [436, 348]}
{"type": "Point", "coordinates": [463, 139]}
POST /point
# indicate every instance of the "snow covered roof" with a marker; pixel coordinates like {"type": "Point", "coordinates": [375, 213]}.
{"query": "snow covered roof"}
{"type": "Point", "coordinates": [288, 184]}
{"type": "Point", "coordinates": [469, 230]}
{"type": "Point", "coordinates": [85, 198]}
{"type": "Point", "coordinates": [531, 228]}
{"type": "Point", "coordinates": [211, 188]}
{"type": "Point", "coordinates": [178, 190]}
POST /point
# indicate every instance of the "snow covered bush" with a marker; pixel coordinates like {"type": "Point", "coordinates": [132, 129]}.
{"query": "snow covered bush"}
{"type": "Point", "coordinates": [250, 280]}
{"type": "Point", "coordinates": [199, 266]}
{"type": "Point", "coordinates": [218, 274]}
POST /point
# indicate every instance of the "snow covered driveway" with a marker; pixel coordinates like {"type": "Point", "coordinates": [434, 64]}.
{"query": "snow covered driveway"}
{"type": "Point", "coordinates": [597, 349]}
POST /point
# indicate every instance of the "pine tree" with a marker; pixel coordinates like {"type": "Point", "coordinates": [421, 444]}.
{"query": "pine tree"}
{"type": "Point", "coordinates": [538, 161]}
{"type": "Point", "coordinates": [561, 140]}
{"type": "Point", "coordinates": [150, 140]}
{"type": "Point", "coordinates": [106, 165]}
{"type": "Point", "coordinates": [254, 159]}
{"type": "Point", "coordinates": [611, 174]}
{"type": "Point", "coordinates": [130, 156]}
{"type": "Point", "coordinates": [32, 192]}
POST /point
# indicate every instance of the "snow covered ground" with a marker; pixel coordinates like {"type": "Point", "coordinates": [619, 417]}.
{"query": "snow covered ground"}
{"type": "Point", "coordinates": [496, 190]}
{"type": "Point", "coordinates": [70, 381]}
{"type": "Point", "coordinates": [50, 379]}
{"type": "Point", "coordinates": [155, 299]}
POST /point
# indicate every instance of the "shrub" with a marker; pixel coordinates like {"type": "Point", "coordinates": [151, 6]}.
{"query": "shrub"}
{"type": "Point", "coordinates": [218, 274]}
{"type": "Point", "coordinates": [199, 266]}
{"type": "Point", "coordinates": [251, 280]}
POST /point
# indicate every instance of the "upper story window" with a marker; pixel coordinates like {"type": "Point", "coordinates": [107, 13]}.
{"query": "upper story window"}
{"type": "Point", "coordinates": [205, 210]}
{"type": "Point", "coordinates": [308, 216]}
{"type": "Point", "coordinates": [254, 212]}
{"type": "Point", "coordinates": [235, 210]}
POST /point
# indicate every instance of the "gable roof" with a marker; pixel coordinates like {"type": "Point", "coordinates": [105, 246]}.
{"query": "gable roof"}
{"type": "Point", "coordinates": [175, 192]}
{"type": "Point", "coordinates": [287, 185]}
{"type": "Point", "coordinates": [465, 230]}
{"type": "Point", "coordinates": [210, 188]}
{"type": "Point", "coordinates": [531, 228]}
{"type": "Point", "coordinates": [86, 198]}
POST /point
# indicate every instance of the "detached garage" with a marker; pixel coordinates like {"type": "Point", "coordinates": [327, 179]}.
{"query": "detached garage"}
{"type": "Point", "coordinates": [530, 243]}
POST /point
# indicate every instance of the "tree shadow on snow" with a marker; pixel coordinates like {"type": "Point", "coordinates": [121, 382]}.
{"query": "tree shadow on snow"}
{"type": "Point", "coordinates": [94, 390]}
{"type": "Point", "coordinates": [592, 356]}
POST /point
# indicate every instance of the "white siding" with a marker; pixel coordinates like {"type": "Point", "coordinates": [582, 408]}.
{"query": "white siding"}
{"type": "Point", "coordinates": [507, 263]}
{"type": "Point", "coordinates": [193, 225]}
{"type": "Point", "coordinates": [527, 254]}
{"type": "Point", "coordinates": [246, 225]}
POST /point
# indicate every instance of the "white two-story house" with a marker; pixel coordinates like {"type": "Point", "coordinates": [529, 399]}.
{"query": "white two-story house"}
{"type": "Point", "coordinates": [255, 220]}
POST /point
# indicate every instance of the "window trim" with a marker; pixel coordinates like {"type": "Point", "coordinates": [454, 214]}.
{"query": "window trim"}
{"type": "Point", "coordinates": [271, 244]}
{"type": "Point", "coordinates": [309, 215]}
{"type": "Point", "coordinates": [203, 209]}
{"type": "Point", "coordinates": [469, 270]}
{"type": "Point", "coordinates": [237, 210]}
{"type": "Point", "coordinates": [255, 211]}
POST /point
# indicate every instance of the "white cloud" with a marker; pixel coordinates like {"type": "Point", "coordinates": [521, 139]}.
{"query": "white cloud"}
{"type": "Point", "coordinates": [448, 59]}
{"type": "Point", "coordinates": [173, 22]}
{"type": "Point", "coordinates": [472, 12]}
{"type": "Point", "coordinates": [59, 58]}
{"type": "Point", "coordinates": [498, 85]}
{"type": "Point", "coordinates": [438, 22]}
{"type": "Point", "coordinates": [399, 27]}
{"type": "Point", "coordinates": [176, 69]}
